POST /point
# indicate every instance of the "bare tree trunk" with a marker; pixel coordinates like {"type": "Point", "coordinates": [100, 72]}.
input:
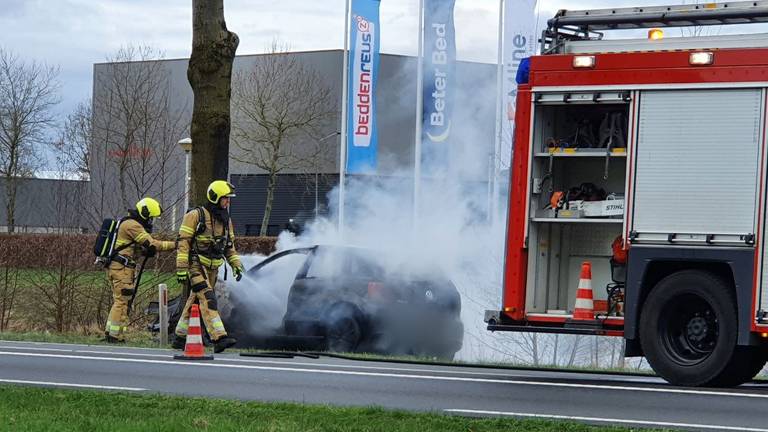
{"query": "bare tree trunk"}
{"type": "Point", "coordinates": [574, 350]}
{"type": "Point", "coordinates": [268, 207]}
{"type": "Point", "coordinates": [10, 206]}
{"type": "Point", "coordinates": [554, 351]}
{"type": "Point", "coordinates": [8, 291]}
{"type": "Point", "coordinates": [596, 351]}
{"type": "Point", "coordinates": [210, 75]}
{"type": "Point", "coordinates": [622, 349]}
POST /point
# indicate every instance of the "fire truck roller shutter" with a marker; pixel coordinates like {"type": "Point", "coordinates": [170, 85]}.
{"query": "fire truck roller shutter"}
{"type": "Point", "coordinates": [697, 165]}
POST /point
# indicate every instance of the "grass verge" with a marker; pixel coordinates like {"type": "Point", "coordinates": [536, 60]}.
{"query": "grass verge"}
{"type": "Point", "coordinates": [38, 409]}
{"type": "Point", "coordinates": [133, 339]}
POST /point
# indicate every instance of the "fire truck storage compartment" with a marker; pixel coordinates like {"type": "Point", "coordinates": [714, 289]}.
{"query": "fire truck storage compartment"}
{"type": "Point", "coordinates": [698, 167]}
{"type": "Point", "coordinates": [577, 139]}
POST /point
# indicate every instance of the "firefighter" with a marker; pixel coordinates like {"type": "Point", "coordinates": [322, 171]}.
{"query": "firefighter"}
{"type": "Point", "coordinates": [133, 240]}
{"type": "Point", "coordinates": [206, 240]}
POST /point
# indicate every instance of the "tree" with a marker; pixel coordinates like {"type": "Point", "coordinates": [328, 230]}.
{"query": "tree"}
{"type": "Point", "coordinates": [136, 128]}
{"type": "Point", "coordinates": [74, 143]}
{"type": "Point", "coordinates": [279, 104]}
{"type": "Point", "coordinates": [28, 94]}
{"type": "Point", "coordinates": [210, 75]}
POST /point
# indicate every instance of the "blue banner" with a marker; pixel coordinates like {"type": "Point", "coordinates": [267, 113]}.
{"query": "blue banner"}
{"type": "Point", "coordinates": [439, 83]}
{"type": "Point", "coordinates": [362, 132]}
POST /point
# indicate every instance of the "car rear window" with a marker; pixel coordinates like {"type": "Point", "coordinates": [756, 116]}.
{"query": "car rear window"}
{"type": "Point", "coordinates": [338, 262]}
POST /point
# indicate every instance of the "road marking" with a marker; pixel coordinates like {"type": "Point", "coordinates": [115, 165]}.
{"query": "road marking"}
{"type": "Point", "coordinates": [60, 384]}
{"type": "Point", "coordinates": [648, 379]}
{"type": "Point", "coordinates": [3, 342]}
{"type": "Point", "coordinates": [404, 376]}
{"type": "Point", "coordinates": [605, 420]}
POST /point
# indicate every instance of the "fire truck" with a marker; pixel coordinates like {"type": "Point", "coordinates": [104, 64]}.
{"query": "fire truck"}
{"type": "Point", "coordinates": [646, 159]}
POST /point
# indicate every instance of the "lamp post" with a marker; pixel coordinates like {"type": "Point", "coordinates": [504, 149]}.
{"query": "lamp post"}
{"type": "Point", "coordinates": [186, 145]}
{"type": "Point", "coordinates": [317, 201]}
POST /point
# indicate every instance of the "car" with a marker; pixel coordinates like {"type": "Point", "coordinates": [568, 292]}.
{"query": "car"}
{"type": "Point", "coordinates": [349, 299]}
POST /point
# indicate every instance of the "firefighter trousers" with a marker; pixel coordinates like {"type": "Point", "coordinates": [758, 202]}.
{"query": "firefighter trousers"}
{"type": "Point", "coordinates": [121, 279]}
{"type": "Point", "coordinates": [201, 281]}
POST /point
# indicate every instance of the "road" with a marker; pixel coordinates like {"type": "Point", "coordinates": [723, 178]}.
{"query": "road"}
{"type": "Point", "coordinates": [592, 398]}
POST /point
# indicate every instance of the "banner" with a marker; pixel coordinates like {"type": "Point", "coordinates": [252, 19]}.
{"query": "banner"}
{"type": "Point", "coordinates": [439, 85]}
{"type": "Point", "coordinates": [363, 73]}
{"type": "Point", "coordinates": [520, 42]}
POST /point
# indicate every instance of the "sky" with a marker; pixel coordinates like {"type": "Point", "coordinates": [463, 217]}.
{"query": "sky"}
{"type": "Point", "coordinates": [75, 34]}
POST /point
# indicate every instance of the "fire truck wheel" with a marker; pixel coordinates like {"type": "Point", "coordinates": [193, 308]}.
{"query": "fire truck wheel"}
{"type": "Point", "coordinates": [744, 365]}
{"type": "Point", "coordinates": [688, 330]}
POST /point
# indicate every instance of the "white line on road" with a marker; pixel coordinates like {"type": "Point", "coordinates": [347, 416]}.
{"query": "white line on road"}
{"type": "Point", "coordinates": [404, 376]}
{"type": "Point", "coordinates": [60, 384]}
{"type": "Point", "coordinates": [605, 420]}
{"type": "Point", "coordinates": [3, 343]}
{"type": "Point", "coordinates": [511, 373]}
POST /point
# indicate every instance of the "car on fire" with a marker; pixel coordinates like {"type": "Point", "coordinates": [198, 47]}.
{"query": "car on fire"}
{"type": "Point", "coordinates": [347, 298]}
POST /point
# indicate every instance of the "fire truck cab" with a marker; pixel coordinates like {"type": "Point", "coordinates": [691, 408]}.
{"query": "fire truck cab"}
{"type": "Point", "coordinates": [647, 159]}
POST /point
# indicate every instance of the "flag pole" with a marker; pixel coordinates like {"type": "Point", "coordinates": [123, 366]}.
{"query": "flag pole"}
{"type": "Point", "coordinates": [344, 115]}
{"type": "Point", "coordinates": [419, 119]}
{"type": "Point", "coordinates": [494, 207]}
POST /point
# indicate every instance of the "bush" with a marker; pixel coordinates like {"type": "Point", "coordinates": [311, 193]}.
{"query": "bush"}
{"type": "Point", "coordinates": [41, 251]}
{"type": "Point", "coordinates": [50, 282]}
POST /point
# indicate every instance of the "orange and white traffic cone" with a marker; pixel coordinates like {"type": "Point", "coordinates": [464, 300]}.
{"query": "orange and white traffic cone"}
{"type": "Point", "coordinates": [194, 349]}
{"type": "Point", "coordinates": [584, 310]}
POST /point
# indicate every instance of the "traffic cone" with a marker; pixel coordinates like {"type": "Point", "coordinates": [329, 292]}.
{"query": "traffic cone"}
{"type": "Point", "coordinates": [194, 349]}
{"type": "Point", "coordinates": [584, 310]}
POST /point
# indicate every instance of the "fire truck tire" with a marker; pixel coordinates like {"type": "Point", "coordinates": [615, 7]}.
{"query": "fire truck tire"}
{"type": "Point", "coordinates": [688, 331]}
{"type": "Point", "coordinates": [744, 365]}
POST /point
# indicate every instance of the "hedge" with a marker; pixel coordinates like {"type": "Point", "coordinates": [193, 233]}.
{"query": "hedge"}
{"type": "Point", "coordinates": [75, 251]}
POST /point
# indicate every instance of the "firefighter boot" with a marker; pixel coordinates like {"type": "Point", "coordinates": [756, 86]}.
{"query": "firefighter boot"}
{"type": "Point", "coordinates": [222, 343]}
{"type": "Point", "coordinates": [113, 340]}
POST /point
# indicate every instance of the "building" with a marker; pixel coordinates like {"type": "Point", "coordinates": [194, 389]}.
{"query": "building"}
{"type": "Point", "coordinates": [46, 206]}
{"type": "Point", "coordinates": [147, 160]}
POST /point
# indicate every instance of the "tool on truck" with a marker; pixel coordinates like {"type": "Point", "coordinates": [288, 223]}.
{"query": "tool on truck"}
{"type": "Point", "coordinates": [674, 130]}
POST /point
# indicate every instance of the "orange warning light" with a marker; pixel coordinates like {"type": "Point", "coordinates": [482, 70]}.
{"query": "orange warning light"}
{"type": "Point", "coordinates": [655, 34]}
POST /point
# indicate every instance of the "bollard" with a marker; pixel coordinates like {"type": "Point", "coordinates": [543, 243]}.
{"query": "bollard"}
{"type": "Point", "coordinates": [163, 313]}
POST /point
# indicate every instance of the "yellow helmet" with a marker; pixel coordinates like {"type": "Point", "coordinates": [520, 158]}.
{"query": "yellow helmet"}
{"type": "Point", "coordinates": [149, 208]}
{"type": "Point", "coordinates": [218, 189]}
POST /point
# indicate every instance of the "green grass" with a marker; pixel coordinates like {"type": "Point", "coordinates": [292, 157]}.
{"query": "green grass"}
{"type": "Point", "coordinates": [133, 339]}
{"type": "Point", "coordinates": [43, 409]}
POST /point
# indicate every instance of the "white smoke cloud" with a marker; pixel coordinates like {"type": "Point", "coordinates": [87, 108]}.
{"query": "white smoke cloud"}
{"type": "Point", "coordinates": [452, 237]}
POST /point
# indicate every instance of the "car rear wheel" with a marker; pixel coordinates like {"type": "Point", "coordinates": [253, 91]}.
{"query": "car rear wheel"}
{"type": "Point", "coordinates": [688, 330]}
{"type": "Point", "coordinates": [343, 331]}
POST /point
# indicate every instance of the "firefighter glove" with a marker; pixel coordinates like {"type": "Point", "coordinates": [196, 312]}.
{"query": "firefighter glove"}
{"type": "Point", "coordinates": [151, 251]}
{"type": "Point", "coordinates": [238, 271]}
{"type": "Point", "coordinates": [182, 276]}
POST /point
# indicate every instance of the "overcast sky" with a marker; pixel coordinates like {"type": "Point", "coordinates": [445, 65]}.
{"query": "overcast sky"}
{"type": "Point", "coordinates": [74, 34]}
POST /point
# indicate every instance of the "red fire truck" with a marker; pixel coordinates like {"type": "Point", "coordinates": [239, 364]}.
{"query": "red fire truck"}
{"type": "Point", "coordinates": [647, 159]}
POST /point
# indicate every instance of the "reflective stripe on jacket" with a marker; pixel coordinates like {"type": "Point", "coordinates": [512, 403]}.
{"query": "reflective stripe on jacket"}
{"type": "Point", "coordinates": [204, 241]}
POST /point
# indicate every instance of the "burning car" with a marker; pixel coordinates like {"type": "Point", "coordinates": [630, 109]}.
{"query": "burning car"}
{"type": "Point", "coordinates": [347, 299]}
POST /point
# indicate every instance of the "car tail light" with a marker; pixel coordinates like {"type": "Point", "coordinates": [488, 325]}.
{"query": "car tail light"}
{"type": "Point", "coordinates": [376, 290]}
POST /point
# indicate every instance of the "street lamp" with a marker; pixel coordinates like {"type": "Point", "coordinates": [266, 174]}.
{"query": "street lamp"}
{"type": "Point", "coordinates": [186, 145]}
{"type": "Point", "coordinates": [317, 204]}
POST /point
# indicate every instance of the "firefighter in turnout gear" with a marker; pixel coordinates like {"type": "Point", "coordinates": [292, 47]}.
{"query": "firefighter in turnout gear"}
{"type": "Point", "coordinates": [133, 240]}
{"type": "Point", "coordinates": [206, 240]}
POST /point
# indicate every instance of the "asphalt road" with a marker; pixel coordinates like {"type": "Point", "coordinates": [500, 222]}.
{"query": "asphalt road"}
{"type": "Point", "coordinates": [592, 398]}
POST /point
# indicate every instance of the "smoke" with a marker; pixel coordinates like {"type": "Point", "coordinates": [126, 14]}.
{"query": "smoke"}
{"type": "Point", "coordinates": [451, 238]}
